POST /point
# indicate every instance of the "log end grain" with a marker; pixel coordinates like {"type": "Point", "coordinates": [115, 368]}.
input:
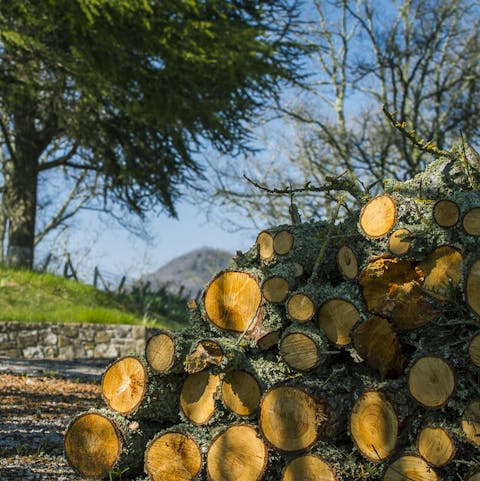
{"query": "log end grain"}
{"type": "Point", "coordinates": [378, 216]}
{"type": "Point", "coordinates": [92, 445]}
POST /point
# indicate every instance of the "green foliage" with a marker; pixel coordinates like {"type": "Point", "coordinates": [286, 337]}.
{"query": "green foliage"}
{"type": "Point", "coordinates": [122, 95]}
{"type": "Point", "coordinates": [158, 306]}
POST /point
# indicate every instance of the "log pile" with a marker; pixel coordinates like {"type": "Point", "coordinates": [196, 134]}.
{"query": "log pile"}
{"type": "Point", "coordinates": [326, 352]}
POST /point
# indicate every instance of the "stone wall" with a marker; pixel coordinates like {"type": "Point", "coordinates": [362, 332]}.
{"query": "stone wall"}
{"type": "Point", "coordinates": [70, 341]}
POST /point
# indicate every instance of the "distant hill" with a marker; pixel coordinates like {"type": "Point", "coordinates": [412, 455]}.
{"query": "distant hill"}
{"type": "Point", "coordinates": [191, 270]}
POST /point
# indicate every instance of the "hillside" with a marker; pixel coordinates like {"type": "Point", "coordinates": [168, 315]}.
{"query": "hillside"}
{"type": "Point", "coordinates": [190, 271]}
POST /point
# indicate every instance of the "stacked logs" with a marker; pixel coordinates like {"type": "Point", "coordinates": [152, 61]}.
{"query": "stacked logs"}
{"type": "Point", "coordinates": [325, 352]}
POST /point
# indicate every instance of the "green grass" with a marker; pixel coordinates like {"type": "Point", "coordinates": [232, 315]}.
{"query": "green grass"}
{"type": "Point", "coordinates": [41, 297]}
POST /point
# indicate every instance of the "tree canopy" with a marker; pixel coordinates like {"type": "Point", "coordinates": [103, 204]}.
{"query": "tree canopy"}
{"type": "Point", "coordinates": [120, 95]}
{"type": "Point", "coordinates": [418, 58]}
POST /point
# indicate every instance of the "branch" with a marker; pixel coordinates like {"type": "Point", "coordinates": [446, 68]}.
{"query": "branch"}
{"type": "Point", "coordinates": [338, 183]}
{"type": "Point", "coordinates": [428, 146]}
{"type": "Point", "coordinates": [6, 135]}
{"type": "Point", "coordinates": [59, 161]}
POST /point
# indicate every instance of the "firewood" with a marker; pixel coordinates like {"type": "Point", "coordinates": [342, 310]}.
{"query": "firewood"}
{"type": "Point", "coordinates": [130, 388]}
{"type": "Point", "coordinates": [336, 317]}
{"type": "Point", "coordinates": [198, 397]}
{"type": "Point", "coordinates": [279, 281]}
{"type": "Point", "coordinates": [265, 245]}
{"type": "Point", "coordinates": [412, 468]}
{"type": "Point", "coordinates": [301, 307]}
{"type": "Point", "coordinates": [399, 242]}
{"type": "Point", "coordinates": [475, 477]}
{"type": "Point", "coordinates": [290, 418]}
{"type": "Point", "coordinates": [378, 216]}
{"type": "Point", "coordinates": [237, 454]}
{"type": "Point", "coordinates": [443, 271]}
{"type": "Point", "coordinates": [471, 422]}
{"type": "Point", "coordinates": [377, 342]}
{"type": "Point", "coordinates": [472, 287]}
{"type": "Point", "coordinates": [471, 222]}
{"type": "Point", "coordinates": [303, 347]}
{"type": "Point", "coordinates": [474, 349]}
{"type": "Point", "coordinates": [431, 381]}
{"type": "Point", "coordinates": [283, 242]}
{"type": "Point", "coordinates": [347, 262]}
{"type": "Point", "coordinates": [392, 288]}
{"type": "Point", "coordinates": [446, 213]}
{"type": "Point", "coordinates": [98, 441]}
{"type": "Point", "coordinates": [173, 455]}
{"type": "Point", "coordinates": [205, 353]}
{"type": "Point", "coordinates": [268, 340]}
{"type": "Point", "coordinates": [232, 301]}
{"type": "Point", "coordinates": [435, 445]}
{"type": "Point", "coordinates": [374, 426]}
{"type": "Point", "coordinates": [241, 392]}
{"type": "Point", "coordinates": [165, 350]}
{"type": "Point", "coordinates": [308, 467]}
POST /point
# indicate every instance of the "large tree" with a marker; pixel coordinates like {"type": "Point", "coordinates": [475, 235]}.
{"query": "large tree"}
{"type": "Point", "coordinates": [418, 58]}
{"type": "Point", "coordinates": [119, 96]}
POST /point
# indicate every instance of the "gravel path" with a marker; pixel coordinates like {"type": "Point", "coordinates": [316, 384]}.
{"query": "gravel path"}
{"type": "Point", "coordinates": [38, 399]}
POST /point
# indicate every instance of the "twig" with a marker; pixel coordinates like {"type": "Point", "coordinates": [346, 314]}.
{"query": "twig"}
{"type": "Point", "coordinates": [425, 146]}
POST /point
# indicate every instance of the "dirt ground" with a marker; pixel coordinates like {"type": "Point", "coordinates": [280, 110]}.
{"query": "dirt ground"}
{"type": "Point", "coordinates": [35, 411]}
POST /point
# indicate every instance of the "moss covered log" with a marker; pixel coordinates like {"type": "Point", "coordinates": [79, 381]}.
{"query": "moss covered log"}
{"type": "Point", "coordinates": [335, 352]}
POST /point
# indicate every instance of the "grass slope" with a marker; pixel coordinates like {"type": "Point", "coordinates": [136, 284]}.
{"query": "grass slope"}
{"type": "Point", "coordinates": [40, 297]}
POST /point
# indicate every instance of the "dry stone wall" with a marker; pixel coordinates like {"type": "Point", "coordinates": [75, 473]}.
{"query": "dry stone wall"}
{"type": "Point", "coordinates": [70, 341]}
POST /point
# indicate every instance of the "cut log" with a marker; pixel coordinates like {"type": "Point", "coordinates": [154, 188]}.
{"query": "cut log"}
{"type": "Point", "coordinates": [392, 288]}
{"type": "Point", "coordinates": [308, 467]}
{"type": "Point", "coordinates": [129, 388]}
{"type": "Point", "coordinates": [165, 350]}
{"type": "Point", "coordinates": [435, 446]}
{"type": "Point", "coordinates": [237, 454]}
{"type": "Point", "coordinates": [303, 347]}
{"type": "Point", "coordinates": [377, 342]}
{"type": "Point", "coordinates": [443, 271]}
{"type": "Point", "coordinates": [279, 281]}
{"type": "Point", "coordinates": [336, 317]}
{"type": "Point", "coordinates": [97, 442]}
{"type": "Point", "coordinates": [283, 242]}
{"type": "Point", "coordinates": [205, 353]}
{"type": "Point", "coordinates": [399, 242]}
{"type": "Point", "coordinates": [378, 216]}
{"type": "Point", "coordinates": [446, 213]}
{"type": "Point", "coordinates": [471, 422]}
{"type": "Point", "coordinates": [411, 468]}
{"type": "Point", "coordinates": [265, 245]}
{"type": "Point", "coordinates": [431, 381]}
{"type": "Point", "coordinates": [474, 349]}
{"type": "Point", "coordinates": [472, 287]}
{"type": "Point", "coordinates": [300, 307]}
{"type": "Point", "coordinates": [173, 456]}
{"type": "Point", "coordinates": [374, 426]}
{"type": "Point", "coordinates": [475, 477]}
{"type": "Point", "coordinates": [269, 340]}
{"type": "Point", "coordinates": [241, 393]}
{"type": "Point", "coordinates": [198, 396]}
{"type": "Point", "coordinates": [232, 301]}
{"type": "Point", "coordinates": [290, 418]}
{"type": "Point", "coordinates": [347, 262]}
{"type": "Point", "coordinates": [160, 352]}
{"type": "Point", "coordinates": [471, 222]}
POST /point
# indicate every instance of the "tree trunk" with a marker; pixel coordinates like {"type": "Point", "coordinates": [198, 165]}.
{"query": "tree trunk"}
{"type": "Point", "coordinates": [20, 208]}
